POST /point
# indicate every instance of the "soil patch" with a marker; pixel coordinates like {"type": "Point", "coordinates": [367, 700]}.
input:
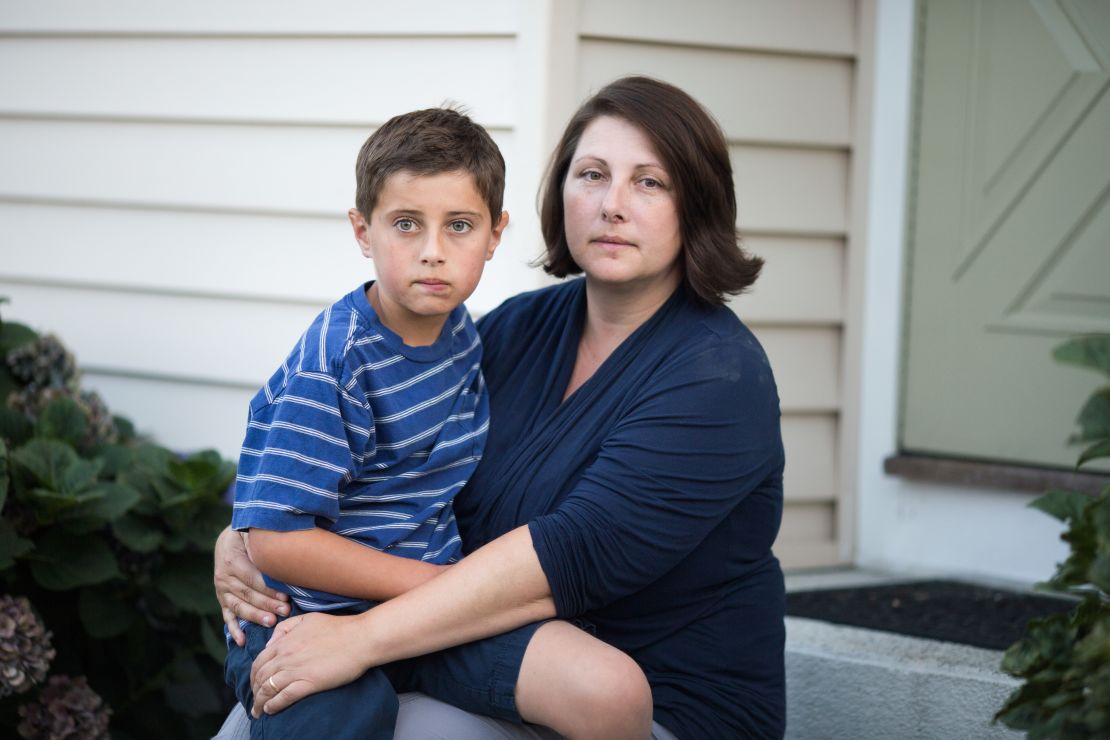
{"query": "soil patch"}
{"type": "Point", "coordinates": [939, 610]}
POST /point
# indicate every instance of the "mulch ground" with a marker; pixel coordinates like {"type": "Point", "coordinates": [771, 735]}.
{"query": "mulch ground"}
{"type": "Point", "coordinates": [940, 610]}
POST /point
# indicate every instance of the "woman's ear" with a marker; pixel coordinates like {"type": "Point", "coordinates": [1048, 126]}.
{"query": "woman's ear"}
{"type": "Point", "coordinates": [362, 232]}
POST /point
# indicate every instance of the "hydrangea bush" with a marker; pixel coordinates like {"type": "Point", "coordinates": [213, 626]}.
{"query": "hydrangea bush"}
{"type": "Point", "coordinates": [106, 607]}
{"type": "Point", "coordinates": [1064, 659]}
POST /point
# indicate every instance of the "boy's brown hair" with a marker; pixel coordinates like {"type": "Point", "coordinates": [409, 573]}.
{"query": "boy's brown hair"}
{"type": "Point", "coordinates": [430, 142]}
{"type": "Point", "coordinates": [694, 153]}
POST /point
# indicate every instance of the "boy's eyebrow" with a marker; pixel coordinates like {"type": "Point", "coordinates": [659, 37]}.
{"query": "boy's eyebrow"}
{"type": "Point", "coordinates": [418, 212]}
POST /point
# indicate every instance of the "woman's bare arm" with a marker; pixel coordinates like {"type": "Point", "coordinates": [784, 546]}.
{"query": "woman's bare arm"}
{"type": "Point", "coordinates": [498, 588]}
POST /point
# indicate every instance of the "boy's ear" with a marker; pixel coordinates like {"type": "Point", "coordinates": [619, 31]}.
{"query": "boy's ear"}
{"type": "Point", "coordinates": [362, 232]}
{"type": "Point", "coordinates": [498, 228]}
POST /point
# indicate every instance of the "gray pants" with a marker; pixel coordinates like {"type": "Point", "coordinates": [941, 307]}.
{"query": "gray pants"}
{"type": "Point", "coordinates": [424, 718]}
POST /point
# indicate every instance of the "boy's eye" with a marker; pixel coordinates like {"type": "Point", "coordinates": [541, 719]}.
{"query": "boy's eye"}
{"type": "Point", "coordinates": [459, 227]}
{"type": "Point", "coordinates": [405, 224]}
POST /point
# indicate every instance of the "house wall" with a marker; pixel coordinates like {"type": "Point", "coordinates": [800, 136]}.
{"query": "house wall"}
{"type": "Point", "coordinates": [174, 182]}
{"type": "Point", "coordinates": [779, 77]}
{"type": "Point", "coordinates": [903, 525]}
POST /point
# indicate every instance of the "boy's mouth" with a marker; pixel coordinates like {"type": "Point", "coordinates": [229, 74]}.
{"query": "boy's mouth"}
{"type": "Point", "coordinates": [433, 285]}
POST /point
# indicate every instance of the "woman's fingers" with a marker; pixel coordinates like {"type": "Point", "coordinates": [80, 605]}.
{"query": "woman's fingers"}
{"type": "Point", "coordinates": [306, 654]}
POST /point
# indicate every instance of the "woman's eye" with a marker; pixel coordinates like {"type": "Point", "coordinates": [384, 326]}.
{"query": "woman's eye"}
{"type": "Point", "coordinates": [405, 224]}
{"type": "Point", "coordinates": [591, 175]}
{"type": "Point", "coordinates": [459, 227]}
{"type": "Point", "coordinates": [651, 183]}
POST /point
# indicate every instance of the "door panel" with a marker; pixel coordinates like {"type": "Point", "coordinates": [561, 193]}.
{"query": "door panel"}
{"type": "Point", "coordinates": [1009, 225]}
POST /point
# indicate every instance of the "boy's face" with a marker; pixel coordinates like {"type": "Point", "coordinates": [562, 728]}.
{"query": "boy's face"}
{"type": "Point", "coordinates": [429, 236]}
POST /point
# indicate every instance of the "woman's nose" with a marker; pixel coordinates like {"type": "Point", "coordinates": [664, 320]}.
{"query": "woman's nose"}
{"type": "Point", "coordinates": [613, 205]}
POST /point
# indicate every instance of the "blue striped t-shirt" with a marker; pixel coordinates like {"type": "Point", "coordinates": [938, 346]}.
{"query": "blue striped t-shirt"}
{"type": "Point", "coordinates": [367, 437]}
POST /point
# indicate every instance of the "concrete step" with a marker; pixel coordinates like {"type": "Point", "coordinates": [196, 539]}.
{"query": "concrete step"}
{"type": "Point", "coordinates": [848, 682]}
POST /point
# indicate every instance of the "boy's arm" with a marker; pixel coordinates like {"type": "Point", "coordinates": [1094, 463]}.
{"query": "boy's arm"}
{"type": "Point", "coordinates": [322, 560]}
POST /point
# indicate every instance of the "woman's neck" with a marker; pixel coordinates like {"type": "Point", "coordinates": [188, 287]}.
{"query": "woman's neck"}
{"type": "Point", "coordinates": [611, 317]}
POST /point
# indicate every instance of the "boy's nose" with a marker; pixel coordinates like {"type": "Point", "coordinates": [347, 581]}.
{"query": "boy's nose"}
{"type": "Point", "coordinates": [431, 253]}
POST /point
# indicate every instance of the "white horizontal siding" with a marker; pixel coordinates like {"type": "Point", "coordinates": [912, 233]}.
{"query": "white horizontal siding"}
{"type": "Point", "coordinates": [806, 27]}
{"type": "Point", "coordinates": [802, 282]}
{"type": "Point", "coordinates": [791, 190]}
{"type": "Point", "coordinates": [183, 416]}
{"type": "Point", "coordinates": [755, 96]}
{"type": "Point", "coordinates": [257, 17]}
{"type": "Point", "coordinates": [304, 80]}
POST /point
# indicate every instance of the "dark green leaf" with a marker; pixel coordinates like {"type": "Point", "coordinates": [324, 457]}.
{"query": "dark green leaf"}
{"type": "Point", "coordinates": [4, 478]}
{"type": "Point", "coordinates": [14, 335]}
{"type": "Point", "coordinates": [12, 545]}
{"type": "Point", "coordinates": [48, 505]}
{"type": "Point", "coordinates": [63, 562]}
{"type": "Point", "coordinates": [1099, 572]}
{"type": "Point", "coordinates": [1090, 351]}
{"type": "Point", "coordinates": [14, 426]}
{"type": "Point", "coordinates": [137, 533]}
{"type": "Point", "coordinates": [8, 383]}
{"type": "Point", "coordinates": [63, 419]}
{"type": "Point", "coordinates": [1094, 418]}
{"type": "Point", "coordinates": [116, 459]}
{"type": "Point", "coordinates": [204, 472]}
{"type": "Point", "coordinates": [113, 500]}
{"type": "Point", "coordinates": [207, 524]}
{"type": "Point", "coordinates": [102, 614]}
{"type": "Point", "coordinates": [1094, 452]}
{"type": "Point", "coordinates": [1063, 505]}
{"type": "Point", "coordinates": [153, 458]}
{"type": "Point", "coordinates": [125, 430]}
{"type": "Point", "coordinates": [46, 460]}
{"type": "Point", "coordinates": [188, 692]}
{"type": "Point", "coordinates": [79, 476]}
{"type": "Point", "coordinates": [212, 636]}
{"type": "Point", "coordinates": [187, 582]}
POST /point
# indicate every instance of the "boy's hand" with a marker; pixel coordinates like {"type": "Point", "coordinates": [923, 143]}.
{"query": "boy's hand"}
{"type": "Point", "coordinates": [240, 589]}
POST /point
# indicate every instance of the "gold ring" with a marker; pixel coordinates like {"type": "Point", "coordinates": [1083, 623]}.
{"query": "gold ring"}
{"type": "Point", "coordinates": [273, 685]}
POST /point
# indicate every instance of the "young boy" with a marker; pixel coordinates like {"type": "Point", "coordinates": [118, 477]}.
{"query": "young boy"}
{"type": "Point", "coordinates": [358, 443]}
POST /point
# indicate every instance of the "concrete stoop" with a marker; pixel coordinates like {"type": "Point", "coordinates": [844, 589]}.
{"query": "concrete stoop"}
{"type": "Point", "coordinates": [846, 682]}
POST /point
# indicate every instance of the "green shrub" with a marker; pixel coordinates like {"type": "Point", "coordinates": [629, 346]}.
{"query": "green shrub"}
{"type": "Point", "coordinates": [110, 538]}
{"type": "Point", "coordinates": [1065, 658]}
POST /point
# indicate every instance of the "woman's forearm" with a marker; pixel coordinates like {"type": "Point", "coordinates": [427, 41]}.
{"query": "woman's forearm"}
{"type": "Point", "coordinates": [499, 587]}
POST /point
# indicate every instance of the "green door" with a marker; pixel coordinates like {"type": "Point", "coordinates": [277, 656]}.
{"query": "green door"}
{"type": "Point", "coordinates": [1009, 225]}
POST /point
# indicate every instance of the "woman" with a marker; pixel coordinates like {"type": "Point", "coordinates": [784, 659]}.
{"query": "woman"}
{"type": "Point", "coordinates": [632, 480]}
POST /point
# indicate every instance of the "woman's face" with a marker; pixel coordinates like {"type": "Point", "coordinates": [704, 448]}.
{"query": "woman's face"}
{"type": "Point", "coordinates": [621, 211]}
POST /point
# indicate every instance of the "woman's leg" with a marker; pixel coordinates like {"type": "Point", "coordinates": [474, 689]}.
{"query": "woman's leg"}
{"type": "Point", "coordinates": [551, 673]}
{"type": "Point", "coordinates": [582, 687]}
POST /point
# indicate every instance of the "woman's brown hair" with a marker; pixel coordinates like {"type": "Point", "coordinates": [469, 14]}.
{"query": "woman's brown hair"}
{"type": "Point", "coordinates": [695, 155]}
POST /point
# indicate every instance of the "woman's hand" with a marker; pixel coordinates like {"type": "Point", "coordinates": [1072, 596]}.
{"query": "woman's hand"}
{"type": "Point", "coordinates": [306, 654]}
{"type": "Point", "coordinates": [240, 589]}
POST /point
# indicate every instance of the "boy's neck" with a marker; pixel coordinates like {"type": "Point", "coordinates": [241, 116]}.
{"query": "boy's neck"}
{"type": "Point", "coordinates": [415, 331]}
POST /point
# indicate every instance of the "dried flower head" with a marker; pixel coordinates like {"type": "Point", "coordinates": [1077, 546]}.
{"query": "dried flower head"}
{"type": "Point", "coordinates": [44, 363]}
{"type": "Point", "coordinates": [25, 650]}
{"type": "Point", "coordinates": [67, 709]}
